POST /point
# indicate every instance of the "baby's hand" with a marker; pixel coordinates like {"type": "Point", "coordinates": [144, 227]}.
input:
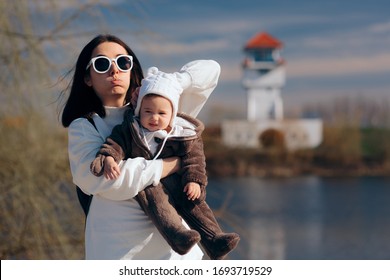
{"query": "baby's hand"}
{"type": "Point", "coordinates": [192, 190]}
{"type": "Point", "coordinates": [111, 168]}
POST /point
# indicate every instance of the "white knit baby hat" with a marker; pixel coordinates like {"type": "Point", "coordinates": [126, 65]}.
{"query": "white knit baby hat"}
{"type": "Point", "coordinates": [160, 83]}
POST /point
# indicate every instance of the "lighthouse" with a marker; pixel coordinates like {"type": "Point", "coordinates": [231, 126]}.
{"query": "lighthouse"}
{"type": "Point", "coordinates": [263, 77]}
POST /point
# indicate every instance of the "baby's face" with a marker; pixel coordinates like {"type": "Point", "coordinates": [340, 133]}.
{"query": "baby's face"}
{"type": "Point", "coordinates": [155, 112]}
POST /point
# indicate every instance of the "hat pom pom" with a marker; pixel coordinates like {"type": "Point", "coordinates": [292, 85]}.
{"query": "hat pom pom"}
{"type": "Point", "coordinates": [152, 71]}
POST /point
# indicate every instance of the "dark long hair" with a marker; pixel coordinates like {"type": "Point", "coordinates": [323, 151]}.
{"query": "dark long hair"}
{"type": "Point", "coordinates": [83, 100]}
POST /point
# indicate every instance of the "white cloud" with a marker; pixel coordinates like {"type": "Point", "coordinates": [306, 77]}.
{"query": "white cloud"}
{"type": "Point", "coordinates": [331, 66]}
{"type": "Point", "coordinates": [77, 4]}
{"type": "Point", "coordinates": [318, 67]}
{"type": "Point", "coordinates": [169, 48]}
{"type": "Point", "coordinates": [383, 27]}
{"type": "Point", "coordinates": [216, 26]}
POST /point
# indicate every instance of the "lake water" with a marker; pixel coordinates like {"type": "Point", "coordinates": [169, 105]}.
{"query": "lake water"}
{"type": "Point", "coordinates": [305, 217]}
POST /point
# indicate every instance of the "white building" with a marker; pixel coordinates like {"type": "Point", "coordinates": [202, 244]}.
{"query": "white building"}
{"type": "Point", "coordinates": [264, 75]}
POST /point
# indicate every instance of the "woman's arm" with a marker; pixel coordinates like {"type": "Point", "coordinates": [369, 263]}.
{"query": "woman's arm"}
{"type": "Point", "coordinates": [136, 174]}
{"type": "Point", "coordinates": [170, 166]}
{"type": "Point", "coordinates": [199, 78]}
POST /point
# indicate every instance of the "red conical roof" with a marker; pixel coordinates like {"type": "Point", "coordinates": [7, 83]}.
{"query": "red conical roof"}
{"type": "Point", "coordinates": [263, 40]}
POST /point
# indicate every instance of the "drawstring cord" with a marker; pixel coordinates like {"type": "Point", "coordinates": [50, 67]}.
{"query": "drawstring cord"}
{"type": "Point", "coordinates": [162, 146]}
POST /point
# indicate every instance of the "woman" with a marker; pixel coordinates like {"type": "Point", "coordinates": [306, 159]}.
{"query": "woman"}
{"type": "Point", "coordinates": [106, 76]}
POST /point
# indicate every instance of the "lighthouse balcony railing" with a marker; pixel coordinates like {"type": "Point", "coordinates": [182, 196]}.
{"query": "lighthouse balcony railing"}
{"type": "Point", "coordinates": [257, 65]}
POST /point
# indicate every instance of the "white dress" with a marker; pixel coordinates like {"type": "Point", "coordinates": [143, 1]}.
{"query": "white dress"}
{"type": "Point", "coordinates": [116, 226]}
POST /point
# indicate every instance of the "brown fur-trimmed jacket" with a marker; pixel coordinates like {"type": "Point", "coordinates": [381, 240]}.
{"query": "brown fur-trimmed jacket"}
{"type": "Point", "coordinates": [125, 142]}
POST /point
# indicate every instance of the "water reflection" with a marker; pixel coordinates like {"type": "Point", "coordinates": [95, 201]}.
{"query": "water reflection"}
{"type": "Point", "coordinates": [305, 217]}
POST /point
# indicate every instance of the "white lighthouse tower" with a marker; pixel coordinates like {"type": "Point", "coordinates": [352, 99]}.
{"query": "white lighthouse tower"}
{"type": "Point", "coordinates": [263, 78]}
{"type": "Point", "coordinates": [264, 75]}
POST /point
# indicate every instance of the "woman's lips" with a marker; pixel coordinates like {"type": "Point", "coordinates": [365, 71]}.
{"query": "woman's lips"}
{"type": "Point", "coordinates": [114, 80]}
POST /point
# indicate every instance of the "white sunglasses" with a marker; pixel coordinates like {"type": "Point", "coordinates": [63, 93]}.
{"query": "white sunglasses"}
{"type": "Point", "coordinates": [101, 64]}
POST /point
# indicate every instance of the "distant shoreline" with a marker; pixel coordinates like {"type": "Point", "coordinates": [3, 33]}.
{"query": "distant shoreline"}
{"type": "Point", "coordinates": [249, 170]}
{"type": "Point", "coordinates": [345, 151]}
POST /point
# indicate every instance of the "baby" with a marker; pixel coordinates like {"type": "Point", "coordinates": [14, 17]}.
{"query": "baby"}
{"type": "Point", "coordinates": [155, 130]}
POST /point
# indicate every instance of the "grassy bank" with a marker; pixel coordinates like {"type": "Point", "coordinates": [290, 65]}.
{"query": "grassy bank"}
{"type": "Point", "coordinates": [40, 217]}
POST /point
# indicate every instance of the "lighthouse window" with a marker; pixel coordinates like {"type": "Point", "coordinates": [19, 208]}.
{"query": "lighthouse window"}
{"type": "Point", "coordinates": [263, 55]}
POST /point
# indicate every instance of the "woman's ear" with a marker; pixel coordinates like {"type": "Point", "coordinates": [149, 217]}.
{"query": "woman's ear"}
{"type": "Point", "coordinates": [87, 80]}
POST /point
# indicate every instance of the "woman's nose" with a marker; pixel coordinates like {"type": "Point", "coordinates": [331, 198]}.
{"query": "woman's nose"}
{"type": "Point", "coordinates": [114, 69]}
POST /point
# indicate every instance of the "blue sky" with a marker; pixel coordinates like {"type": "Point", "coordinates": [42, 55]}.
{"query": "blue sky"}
{"type": "Point", "coordinates": [332, 48]}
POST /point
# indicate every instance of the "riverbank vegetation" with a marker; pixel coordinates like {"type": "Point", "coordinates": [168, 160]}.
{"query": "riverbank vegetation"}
{"type": "Point", "coordinates": [345, 150]}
